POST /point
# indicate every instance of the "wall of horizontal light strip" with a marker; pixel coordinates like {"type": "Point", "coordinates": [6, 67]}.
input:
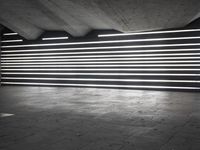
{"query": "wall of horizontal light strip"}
{"type": "Point", "coordinates": [148, 60]}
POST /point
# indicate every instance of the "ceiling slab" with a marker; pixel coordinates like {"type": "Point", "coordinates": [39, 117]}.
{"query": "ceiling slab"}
{"type": "Point", "coordinates": [78, 17]}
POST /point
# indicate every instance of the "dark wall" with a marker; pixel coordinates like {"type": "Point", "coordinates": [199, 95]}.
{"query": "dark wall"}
{"type": "Point", "coordinates": [1, 28]}
{"type": "Point", "coordinates": [142, 61]}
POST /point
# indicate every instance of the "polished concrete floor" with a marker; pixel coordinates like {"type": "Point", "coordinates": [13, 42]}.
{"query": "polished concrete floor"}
{"type": "Point", "coordinates": [56, 118]}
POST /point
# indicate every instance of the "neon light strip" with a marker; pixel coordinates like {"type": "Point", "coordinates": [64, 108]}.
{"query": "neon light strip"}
{"type": "Point", "coordinates": [97, 59]}
{"type": "Point", "coordinates": [113, 47]}
{"type": "Point", "coordinates": [103, 62]}
{"type": "Point", "coordinates": [90, 79]}
{"type": "Point", "coordinates": [103, 42]}
{"type": "Point", "coordinates": [104, 69]}
{"type": "Point", "coordinates": [98, 48]}
{"type": "Point", "coordinates": [9, 41]}
{"type": "Point", "coordinates": [10, 34]}
{"type": "Point", "coordinates": [101, 52]}
{"type": "Point", "coordinates": [108, 86]}
{"type": "Point", "coordinates": [99, 74]}
{"type": "Point", "coordinates": [99, 56]}
{"type": "Point", "coordinates": [56, 38]}
{"type": "Point", "coordinates": [151, 32]}
{"type": "Point", "coordinates": [63, 66]}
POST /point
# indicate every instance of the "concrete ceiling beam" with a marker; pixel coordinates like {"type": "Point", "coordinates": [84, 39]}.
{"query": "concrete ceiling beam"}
{"type": "Point", "coordinates": [64, 18]}
{"type": "Point", "coordinates": [142, 15]}
{"type": "Point", "coordinates": [19, 25]}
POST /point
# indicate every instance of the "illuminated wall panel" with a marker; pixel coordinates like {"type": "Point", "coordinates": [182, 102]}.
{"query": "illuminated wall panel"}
{"type": "Point", "coordinates": [168, 60]}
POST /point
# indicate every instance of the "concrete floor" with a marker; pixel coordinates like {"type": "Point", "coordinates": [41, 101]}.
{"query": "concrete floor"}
{"type": "Point", "coordinates": [55, 118]}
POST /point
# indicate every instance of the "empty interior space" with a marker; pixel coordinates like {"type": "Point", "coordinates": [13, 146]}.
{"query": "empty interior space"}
{"type": "Point", "coordinates": [99, 75]}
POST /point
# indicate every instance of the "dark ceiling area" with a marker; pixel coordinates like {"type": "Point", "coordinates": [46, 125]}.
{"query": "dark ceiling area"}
{"type": "Point", "coordinates": [79, 17]}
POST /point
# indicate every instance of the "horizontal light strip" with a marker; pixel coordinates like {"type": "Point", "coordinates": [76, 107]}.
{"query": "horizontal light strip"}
{"type": "Point", "coordinates": [99, 56]}
{"type": "Point", "coordinates": [100, 74]}
{"type": "Point", "coordinates": [103, 42]}
{"type": "Point", "coordinates": [9, 41]}
{"type": "Point", "coordinates": [10, 34]}
{"type": "Point", "coordinates": [97, 59]}
{"type": "Point", "coordinates": [93, 48]}
{"type": "Point", "coordinates": [98, 48]}
{"type": "Point", "coordinates": [101, 52]}
{"type": "Point", "coordinates": [56, 38]}
{"type": "Point", "coordinates": [104, 69]}
{"type": "Point", "coordinates": [103, 65]}
{"type": "Point", "coordinates": [151, 32]}
{"type": "Point", "coordinates": [108, 86]}
{"type": "Point", "coordinates": [90, 79]}
{"type": "Point", "coordinates": [103, 62]}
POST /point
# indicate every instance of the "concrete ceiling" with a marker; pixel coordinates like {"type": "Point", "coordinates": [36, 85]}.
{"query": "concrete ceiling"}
{"type": "Point", "coordinates": [78, 17]}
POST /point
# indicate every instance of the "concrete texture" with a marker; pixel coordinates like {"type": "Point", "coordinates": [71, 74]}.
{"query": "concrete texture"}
{"type": "Point", "coordinates": [56, 118]}
{"type": "Point", "coordinates": [78, 17]}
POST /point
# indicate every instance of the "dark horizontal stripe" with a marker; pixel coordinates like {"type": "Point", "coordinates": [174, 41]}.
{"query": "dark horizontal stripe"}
{"type": "Point", "coordinates": [193, 89]}
{"type": "Point", "coordinates": [110, 83]}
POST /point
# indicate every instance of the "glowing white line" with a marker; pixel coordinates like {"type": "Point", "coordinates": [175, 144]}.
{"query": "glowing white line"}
{"type": "Point", "coordinates": [103, 62]}
{"type": "Point", "coordinates": [102, 42]}
{"type": "Point", "coordinates": [104, 69]}
{"type": "Point", "coordinates": [8, 41]}
{"type": "Point", "coordinates": [91, 79]}
{"type": "Point", "coordinates": [98, 48]}
{"type": "Point", "coordinates": [97, 59]}
{"type": "Point", "coordinates": [55, 38]}
{"type": "Point", "coordinates": [108, 86]}
{"type": "Point", "coordinates": [151, 32]}
{"type": "Point", "coordinates": [101, 52]}
{"type": "Point", "coordinates": [99, 56]}
{"type": "Point", "coordinates": [103, 65]}
{"type": "Point", "coordinates": [99, 74]}
{"type": "Point", "coordinates": [10, 34]}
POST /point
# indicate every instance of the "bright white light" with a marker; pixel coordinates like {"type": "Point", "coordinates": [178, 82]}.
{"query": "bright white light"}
{"type": "Point", "coordinates": [10, 34]}
{"type": "Point", "coordinates": [112, 80]}
{"type": "Point", "coordinates": [104, 47]}
{"type": "Point", "coordinates": [102, 62]}
{"type": "Point", "coordinates": [56, 38]}
{"type": "Point", "coordinates": [99, 74]}
{"type": "Point", "coordinates": [101, 85]}
{"type": "Point", "coordinates": [97, 59]}
{"type": "Point", "coordinates": [103, 65]}
{"type": "Point", "coordinates": [104, 56]}
{"type": "Point", "coordinates": [104, 69]}
{"type": "Point", "coordinates": [9, 41]}
{"type": "Point", "coordinates": [5, 115]}
{"type": "Point", "coordinates": [151, 32]}
{"type": "Point", "coordinates": [101, 52]}
{"type": "Point", "coordinates": [102, 42]}
{"type": "Point", "coordinates": [113, 47]}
